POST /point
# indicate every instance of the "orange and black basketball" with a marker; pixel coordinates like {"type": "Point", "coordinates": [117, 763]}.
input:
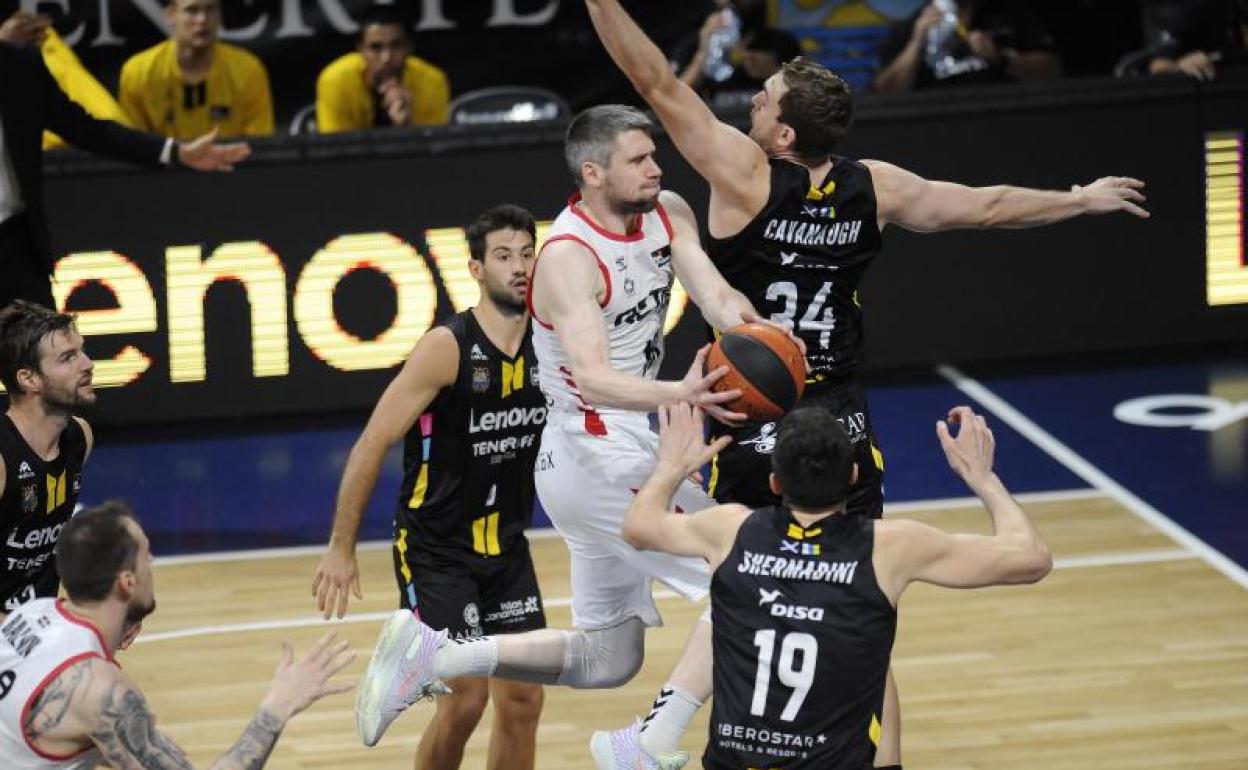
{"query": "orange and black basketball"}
{"type": "Point", "coordinates": [765, 364]}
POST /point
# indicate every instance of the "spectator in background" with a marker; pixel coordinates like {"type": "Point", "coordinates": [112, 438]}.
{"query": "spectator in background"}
{"type": "Point", "coordinates": [192, 83]}
{"type": "Point", "coordinates": [755, 54]}
{"type": "Point", "coordinates": [381, 83]}
{"type": "Point", "coordinates": [23, 29]}
{"type": "Point", "coordinates": [995, 41]}
{"type": "Point", "coordinates": [31, 101]}
{"type": "Point", "coordinates": [1194, 36]}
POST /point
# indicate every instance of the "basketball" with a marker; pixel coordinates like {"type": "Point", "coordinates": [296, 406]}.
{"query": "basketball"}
{"type": "Point", "coordinates": [765, 364]}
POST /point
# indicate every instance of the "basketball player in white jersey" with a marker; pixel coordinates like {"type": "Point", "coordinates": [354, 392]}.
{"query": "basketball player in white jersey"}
{"type": "Point", "coordinates": [599, 299]}
{"type": "Point", "coordinates": [65, 703]}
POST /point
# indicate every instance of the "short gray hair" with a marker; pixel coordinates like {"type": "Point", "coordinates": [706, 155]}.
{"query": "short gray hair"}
{"type": "Point", "coordinates": [591, 134]}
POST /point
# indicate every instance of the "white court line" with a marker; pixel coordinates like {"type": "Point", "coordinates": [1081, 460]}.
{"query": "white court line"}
{"type": "Point", "coordinates": [299, 550]}
{"type": "Point", "coordinates": [1061, 496]}
{"type": "Point", "coordinates": [1074, 562]}
{"type": "Point", "coordinates": [1091, 474]}
{"type": "Point", "coordinates": [544, 533]}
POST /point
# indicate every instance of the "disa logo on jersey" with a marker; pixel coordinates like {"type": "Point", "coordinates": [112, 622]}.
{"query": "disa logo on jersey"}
{"type": "Point", "coordinates": [790, 611]}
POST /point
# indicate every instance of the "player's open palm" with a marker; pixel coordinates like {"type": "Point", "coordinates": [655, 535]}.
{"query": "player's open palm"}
{"type": "Point", "coordinates": [206, 154]}
{"type": "Point", "coordinates": [298, 684]}
{"type": "Point", "coordinates": [970, 453]}
{"type": "Point", "coordinates": [1114, 193]}
{"type": "Point", "coordinates": [337, 576]}
{"type": "Point", "coordinates": [681, 442]}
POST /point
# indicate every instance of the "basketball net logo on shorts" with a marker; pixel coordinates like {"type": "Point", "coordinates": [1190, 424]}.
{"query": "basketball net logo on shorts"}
{"type": "Point", "coordinates": [472, 616]}
{"type": "Point", "coordinates": [765, 442]}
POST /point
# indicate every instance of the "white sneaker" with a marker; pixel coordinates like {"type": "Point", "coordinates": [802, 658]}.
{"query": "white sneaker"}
{"type": "Point", "coordinates": [619, 750]}
{"type": "Point", "coordinates": [400, 674]}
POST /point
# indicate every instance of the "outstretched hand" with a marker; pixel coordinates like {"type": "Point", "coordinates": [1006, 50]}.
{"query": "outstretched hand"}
{"type": "Point", "coordinates": [298, 684]}
{"type": "Point", "coordinates": [205, 154]}
{"type": "Point", "coordinates": [682, 442]}
{"type": "Point", "coordinates": [1113, 193]}
{"type": "Point", "coordinates": [970, 453]}
{"type": "Point", "coordinates": [24, 29]}
{"type": "Point", "coordinates": [696, 389]}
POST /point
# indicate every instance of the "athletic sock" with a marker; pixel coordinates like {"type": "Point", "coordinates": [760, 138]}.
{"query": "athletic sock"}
{"type": "Point", "coordinates": [468, 657]}
{"type": "Point", "coordinates": [667, 721]}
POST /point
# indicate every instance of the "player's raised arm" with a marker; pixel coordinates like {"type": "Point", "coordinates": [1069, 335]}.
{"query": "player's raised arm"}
{"type": "Point", "coordinates": [431, 366]}
{"type": "Point", "coordinates": [922, 205]}
{"type": "Point", "coordinates": [722, 306]}
{"type": "Point", "coordinates": [1014, 552]}
{"type": "Point", "coordinates": [651, 525]}
{"type": "Point", "coordinates": [733, 163]}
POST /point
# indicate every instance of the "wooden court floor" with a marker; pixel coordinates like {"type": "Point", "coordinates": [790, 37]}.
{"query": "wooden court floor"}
{"type": "Point", "coordinates": [1132, 654]}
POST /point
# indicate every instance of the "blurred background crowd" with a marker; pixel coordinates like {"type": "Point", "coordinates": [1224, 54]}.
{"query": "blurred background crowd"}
{"type": "Point", "coordinates": [257, 69]}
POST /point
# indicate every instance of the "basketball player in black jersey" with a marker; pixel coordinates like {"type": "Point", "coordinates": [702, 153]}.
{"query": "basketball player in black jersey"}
{"type": "Point", "coordinates": [804, 595]}
{"type": "Point", "coordinates": [794, 227]}
{"type": "Point", "coordinates": [43, 445]}
{"type": "Point", "coordinates": [469, 402]}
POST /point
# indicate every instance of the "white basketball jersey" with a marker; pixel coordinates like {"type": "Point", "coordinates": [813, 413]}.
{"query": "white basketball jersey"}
{"type": "Point", "coordinates": [637, 269]}
{"type": "Point", "coordinates": [37, 642]}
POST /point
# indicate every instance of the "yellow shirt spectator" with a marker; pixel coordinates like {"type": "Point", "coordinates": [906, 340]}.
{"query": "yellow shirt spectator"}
{"type": "Point", "coordinates": [345, 101]}
{"type": "Point", "coordinates": [77, 83]}
{"type": "Point", "coordinates": [234, 97]}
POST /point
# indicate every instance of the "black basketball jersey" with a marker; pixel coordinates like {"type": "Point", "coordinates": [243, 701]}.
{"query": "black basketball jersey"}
{"type": "Point", "coordinates": [802, 638]}
{"type": "Point", "coordinates": [800, 261]}
{"type": "Point", "coordinates": [38, 499]}
{"type": "Point", "coordinates": [468, 460]}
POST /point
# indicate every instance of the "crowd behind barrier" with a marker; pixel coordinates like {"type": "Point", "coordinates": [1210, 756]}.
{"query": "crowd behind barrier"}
{"type": "Point", "coordinates": [357, 65]}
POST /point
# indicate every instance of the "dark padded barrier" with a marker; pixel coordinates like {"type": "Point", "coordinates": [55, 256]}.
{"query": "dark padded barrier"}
{"type": "Point", "coordinates": [1093, 285]}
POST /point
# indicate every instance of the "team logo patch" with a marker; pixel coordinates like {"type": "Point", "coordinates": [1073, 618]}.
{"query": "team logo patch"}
{"type": "Point", "coordinates": [765, 442]}
{"type": "Point", "coordinates": [472, 616]}
{"type": "Point", "coordinates": [819, 212]}
{"type": "Point", "coordinates": [629, 286]}
{"type": "Point", "coordinates": [30, 498]}
{"type": "Point", "coordinates": [802, 549]}
{"type": "Point", "coordinates": [77, 483]}
{"type": "Point", "coordinates": [480, 379]}
{"type": "Point", "coordinates": [662, 257]}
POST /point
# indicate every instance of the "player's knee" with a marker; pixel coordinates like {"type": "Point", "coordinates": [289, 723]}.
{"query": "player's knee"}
{"type": "Point", "coordinates": [605, 658]}
{"type": "Point", "coordinates": [462, 709]}
{"type": "Point", "coordinates": [518, 703]}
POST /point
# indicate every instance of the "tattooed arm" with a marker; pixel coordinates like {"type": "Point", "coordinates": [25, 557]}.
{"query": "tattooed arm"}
{"type": "Point", "coordinates": [127, 736]}
{"type": "Point", "coordinates": [95, 702]}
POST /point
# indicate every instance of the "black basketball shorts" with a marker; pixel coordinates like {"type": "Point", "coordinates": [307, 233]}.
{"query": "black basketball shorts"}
{"type": "Point", "coordinates": [470, 595]}
{"type": "Point", "coordinates": [739, 474]}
